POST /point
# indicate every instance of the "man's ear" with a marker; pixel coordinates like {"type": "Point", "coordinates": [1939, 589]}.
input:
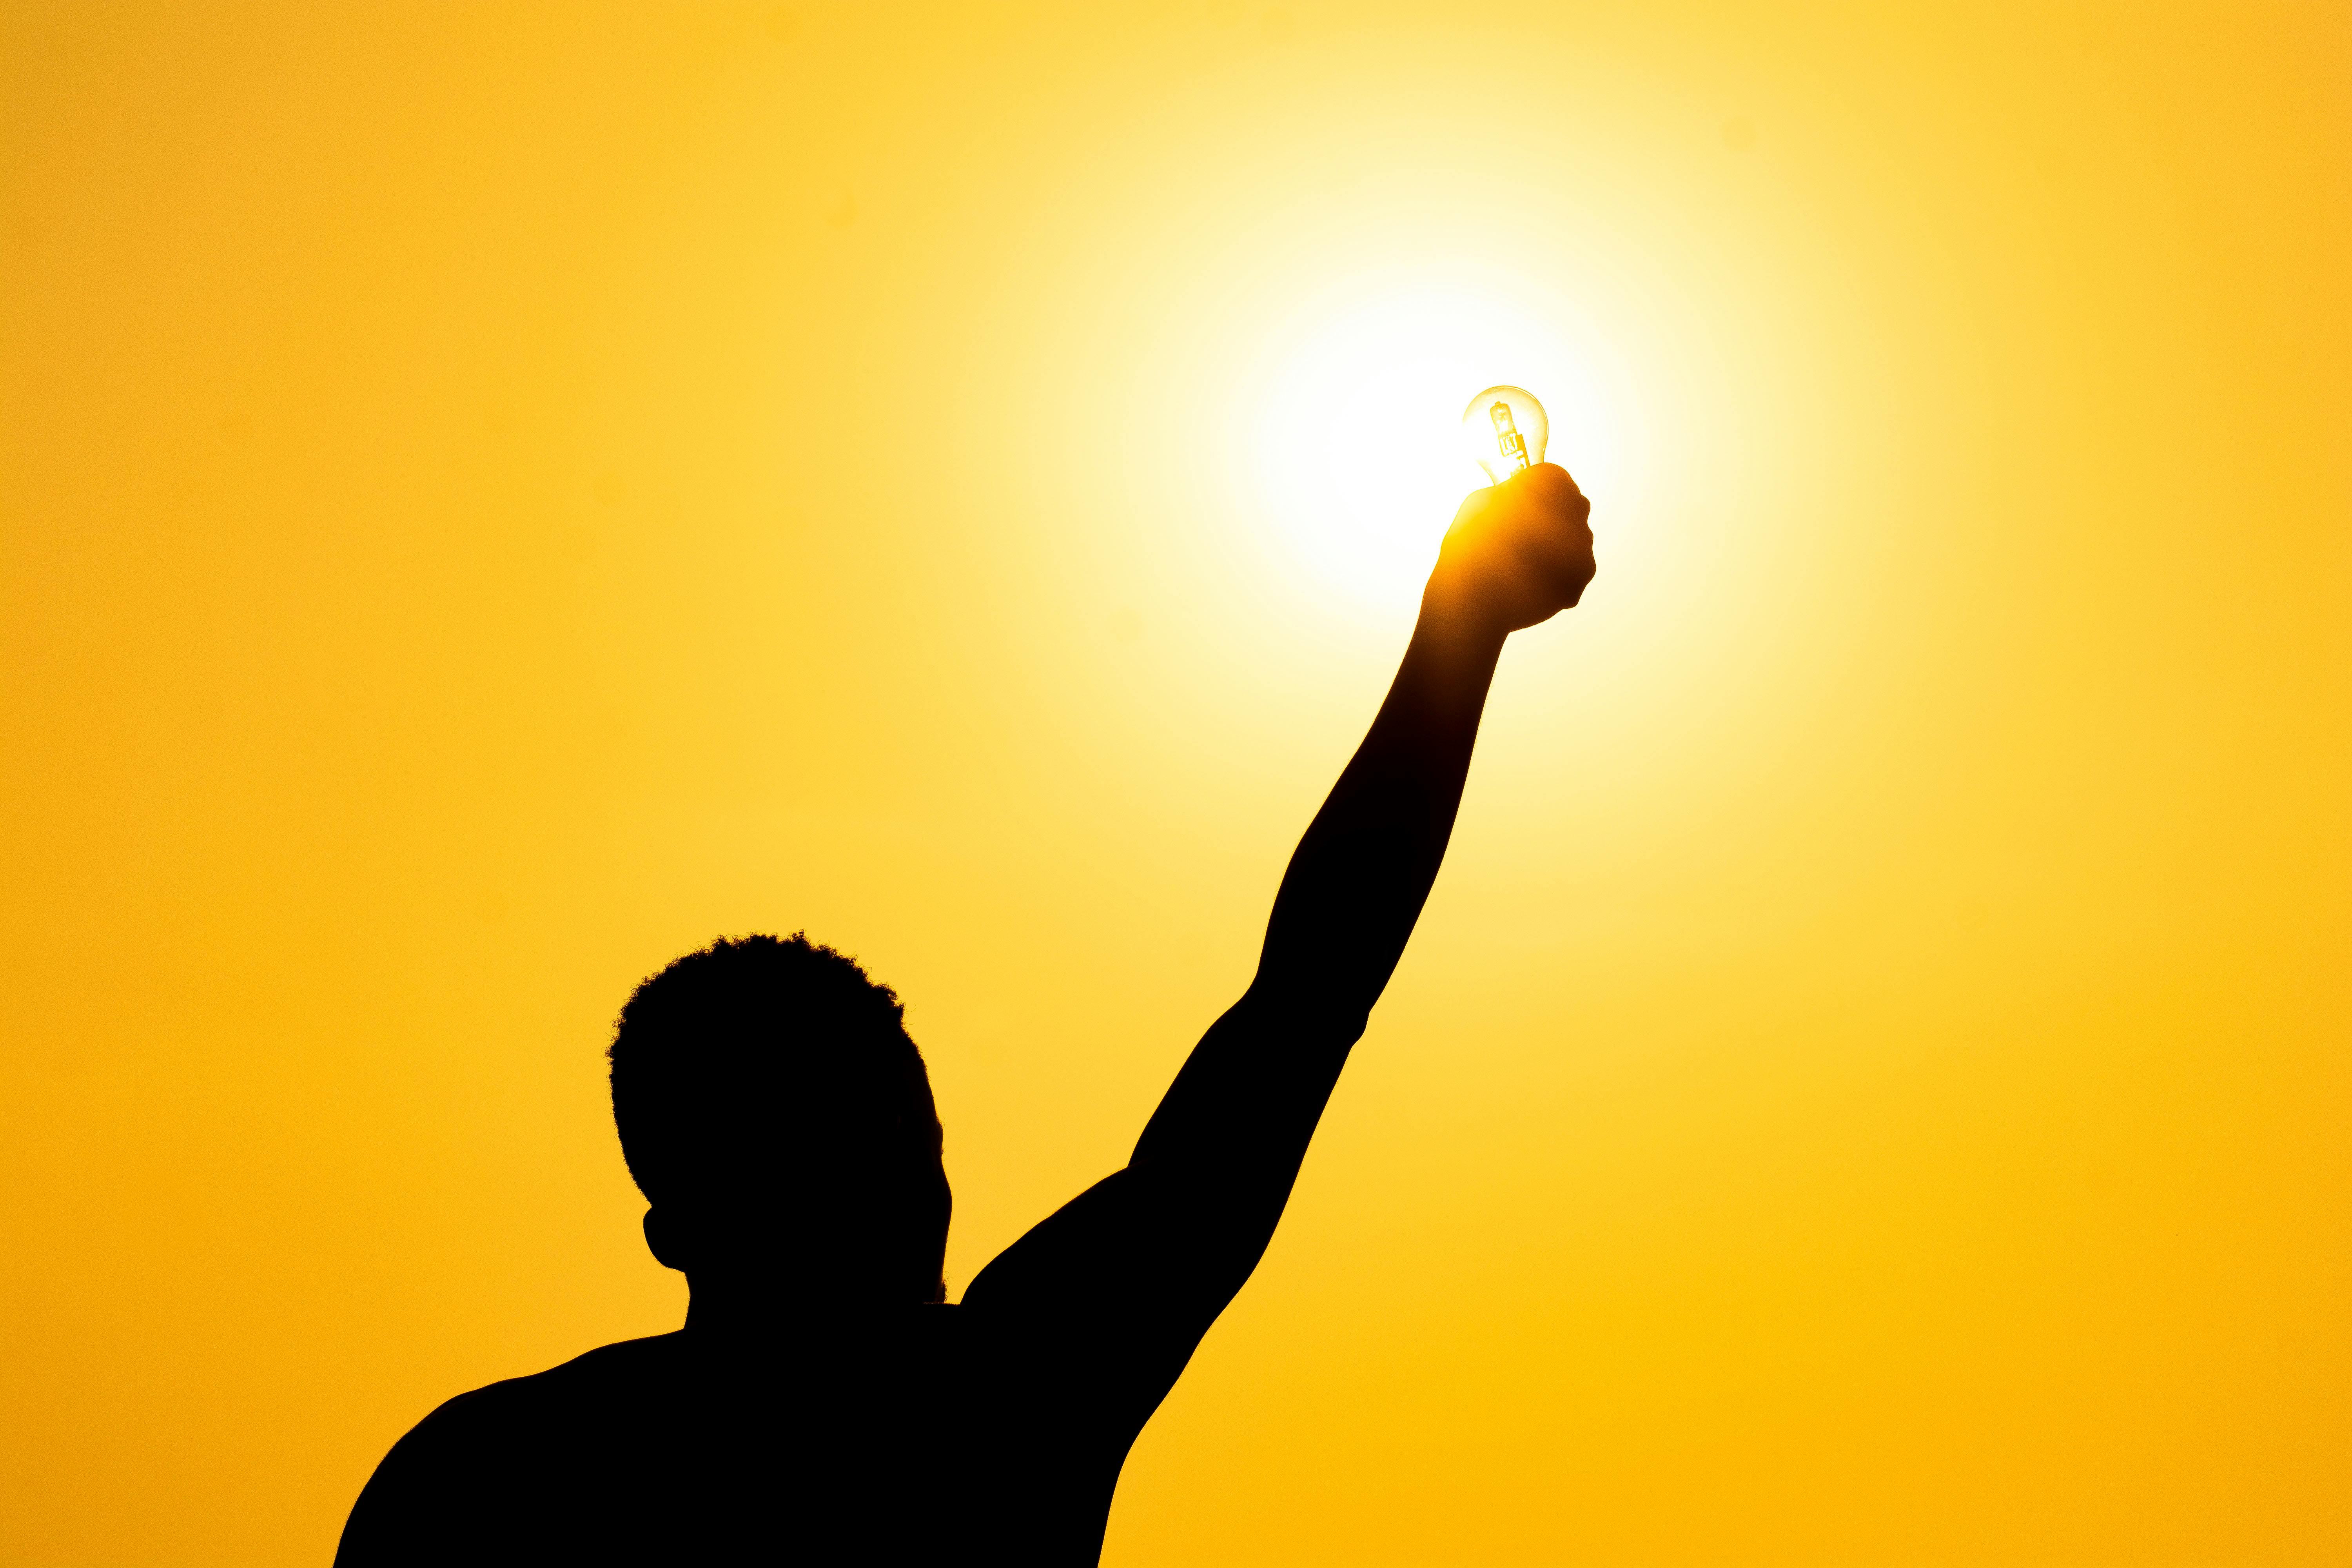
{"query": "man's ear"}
{"type": "Point", "coordinates": [662, 1235]}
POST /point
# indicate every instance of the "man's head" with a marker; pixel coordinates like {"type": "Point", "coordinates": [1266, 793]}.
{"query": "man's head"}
{"type": "Point", "coordinates": [778, 1118]}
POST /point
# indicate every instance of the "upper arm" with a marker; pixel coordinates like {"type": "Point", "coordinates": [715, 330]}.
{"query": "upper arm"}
{"type": "Point", "coordinates": [1129, 1275]}
{"type": "Point", "coordinates": [1100, 1305]}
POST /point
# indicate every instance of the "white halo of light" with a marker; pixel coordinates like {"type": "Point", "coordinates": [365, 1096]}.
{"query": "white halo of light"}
{"type": "Point", "coordinates": [1348, 433]}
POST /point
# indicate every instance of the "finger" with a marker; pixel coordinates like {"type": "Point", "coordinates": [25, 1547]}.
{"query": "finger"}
{"type": "Point", "coordinates": [1561, 559]}
{"type": "Point", "coordinates": [1551, 484]}
{"type": "Point", "coordinates": [1564, 536]}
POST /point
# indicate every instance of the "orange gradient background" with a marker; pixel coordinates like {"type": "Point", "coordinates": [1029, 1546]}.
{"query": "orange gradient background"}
{"type": "Point", "coordinates": [494, 496]}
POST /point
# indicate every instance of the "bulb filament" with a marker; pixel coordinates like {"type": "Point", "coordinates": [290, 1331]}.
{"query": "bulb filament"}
{"type": "Point", "coordinates": [1508, 437]}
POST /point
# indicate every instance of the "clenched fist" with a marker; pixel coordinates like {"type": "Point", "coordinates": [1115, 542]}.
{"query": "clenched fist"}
{"type": "Point", "coordinates": [1519, 552]}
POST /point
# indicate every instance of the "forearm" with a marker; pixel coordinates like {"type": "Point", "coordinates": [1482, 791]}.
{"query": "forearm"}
{"type": "Point", "coordinates": [1358, 880]}
{"type": "Point", "coordinates": [1258, 1082]}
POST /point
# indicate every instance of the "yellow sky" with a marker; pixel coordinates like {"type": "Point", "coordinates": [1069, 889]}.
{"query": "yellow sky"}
{"type": "Point", "coordinates": [493, 496]}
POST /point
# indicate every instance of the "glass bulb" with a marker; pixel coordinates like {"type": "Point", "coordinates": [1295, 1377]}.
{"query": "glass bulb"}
{"type": "Point", "coordinates": [1507, 430]}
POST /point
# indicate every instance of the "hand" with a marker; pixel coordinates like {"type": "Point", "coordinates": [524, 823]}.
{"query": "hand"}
{"type": "Point", "coordinates": [1519, 552]}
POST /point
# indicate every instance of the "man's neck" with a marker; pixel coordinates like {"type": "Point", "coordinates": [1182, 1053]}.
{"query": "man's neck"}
{"type": "Point", "coordinates": [747, 1317]}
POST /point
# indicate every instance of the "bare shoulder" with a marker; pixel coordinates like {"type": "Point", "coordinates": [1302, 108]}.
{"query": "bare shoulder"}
{"type": "Point", "coordinates": [595, 1378]}
{"type": "Point", "coordinates": [493, 1459]}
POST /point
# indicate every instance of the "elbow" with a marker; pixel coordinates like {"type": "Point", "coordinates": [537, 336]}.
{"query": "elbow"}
{"type": "Point", "coordinates": [1328, 1015]}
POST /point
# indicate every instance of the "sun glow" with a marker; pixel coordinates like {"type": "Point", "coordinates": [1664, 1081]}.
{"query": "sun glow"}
{"type": "Point", "coordinates": [1352, 445]}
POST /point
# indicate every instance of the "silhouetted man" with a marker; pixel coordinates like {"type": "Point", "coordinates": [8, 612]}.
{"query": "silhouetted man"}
{"type": "Point", "coordinates": [824, 1403]}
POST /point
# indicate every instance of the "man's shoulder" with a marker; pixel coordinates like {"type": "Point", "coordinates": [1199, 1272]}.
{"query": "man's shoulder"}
{"type": "Point", "coordinates": [519, 1453]}
{"type": "Point", "coordinates": [624, 1361]}
{"type": "Point", "coordinates": [605, 1379]}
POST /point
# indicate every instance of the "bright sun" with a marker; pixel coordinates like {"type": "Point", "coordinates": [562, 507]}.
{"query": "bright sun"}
{"type": "Point", "coordinates": [1349, 433]}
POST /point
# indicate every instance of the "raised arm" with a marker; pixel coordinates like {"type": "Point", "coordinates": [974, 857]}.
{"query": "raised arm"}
{"type": "Point", "coordinates": [1183, 1226]}
{"type": "Point", "coordinates": [1252, 1089]}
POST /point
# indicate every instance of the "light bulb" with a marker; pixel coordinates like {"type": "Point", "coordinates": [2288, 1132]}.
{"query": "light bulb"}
{"type": "Point", "coordinates": [1507, 430]}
